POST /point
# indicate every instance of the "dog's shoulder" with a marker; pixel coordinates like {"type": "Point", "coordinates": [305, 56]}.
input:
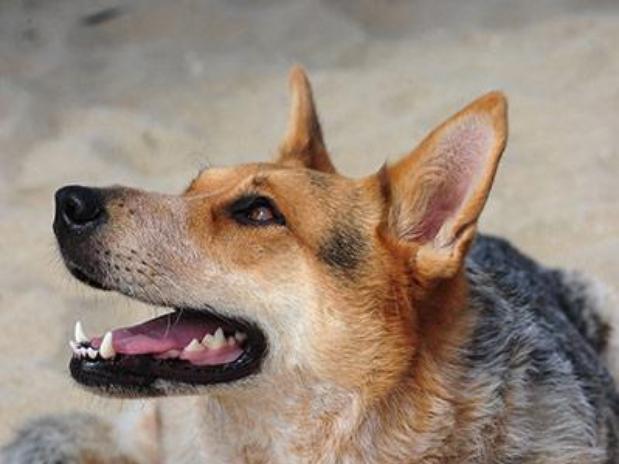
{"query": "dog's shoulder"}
{"type": "Point", "coordinates": [536, 335]}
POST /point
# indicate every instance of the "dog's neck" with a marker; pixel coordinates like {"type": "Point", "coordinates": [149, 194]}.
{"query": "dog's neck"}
{"type": "Point", "coordinates": [324, 424]}
{"type": "Point", "coordinates": [302, 419]}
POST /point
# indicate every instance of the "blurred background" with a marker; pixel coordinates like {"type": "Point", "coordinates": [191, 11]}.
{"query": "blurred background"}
{"type": "Point", "coordinates": [147, 92]}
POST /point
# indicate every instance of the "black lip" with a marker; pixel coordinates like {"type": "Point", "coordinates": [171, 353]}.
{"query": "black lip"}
{"type": "Point", "coordinates": [139, 375]}
{"type": "Point", "coordinates": [80, 275]}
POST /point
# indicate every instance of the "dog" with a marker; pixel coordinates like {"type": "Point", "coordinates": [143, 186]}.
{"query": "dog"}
{"type": "Point", "coordinates": [323, 319]}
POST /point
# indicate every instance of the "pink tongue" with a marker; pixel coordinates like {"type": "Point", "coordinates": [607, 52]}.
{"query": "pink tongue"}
{"type": "Point", "coordinates": [170, 332]}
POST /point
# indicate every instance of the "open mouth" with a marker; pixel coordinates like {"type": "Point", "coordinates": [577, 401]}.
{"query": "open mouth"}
{"type": "Point", "coordinates": [186, 346]}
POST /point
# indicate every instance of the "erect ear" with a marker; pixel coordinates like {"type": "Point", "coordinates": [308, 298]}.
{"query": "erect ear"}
{"type": "Point", "coordinates": [303, 145]}
{"type": "Point", "coordinates": [439, 190]}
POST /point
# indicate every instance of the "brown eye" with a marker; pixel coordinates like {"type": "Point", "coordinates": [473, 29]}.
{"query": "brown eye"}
{"type": "Point", "coordinates": [254, 210]}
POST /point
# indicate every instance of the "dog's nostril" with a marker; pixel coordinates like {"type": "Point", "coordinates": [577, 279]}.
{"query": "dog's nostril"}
{"type": "Point", "coordinates": [78, 207]}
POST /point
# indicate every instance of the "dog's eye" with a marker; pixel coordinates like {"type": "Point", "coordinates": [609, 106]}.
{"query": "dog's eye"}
{"type": "Point", "coordinates": [261, 214]}
{"type": "Point", "coordinates": [256, 211]}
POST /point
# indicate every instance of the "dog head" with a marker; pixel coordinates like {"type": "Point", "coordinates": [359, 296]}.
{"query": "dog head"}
{"type": "Point", "coordinates": [284, 268]}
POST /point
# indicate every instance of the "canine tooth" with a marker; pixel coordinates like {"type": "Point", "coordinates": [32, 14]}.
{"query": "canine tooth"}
{"type": "Point", "coordinates": [240, 337]}
{"type": "Point", "coordinates": [81, 351]}
{"type": "Point", "coordinates": [231, 341]}
{"type": "Point", "coordinates": [80, 335]}
{"type": "Point", "coordinates": [194, 345]}
{"type": "Point", "coordinates": [106, 350]}
{"type": "Point", "coordinates": [92, 353]}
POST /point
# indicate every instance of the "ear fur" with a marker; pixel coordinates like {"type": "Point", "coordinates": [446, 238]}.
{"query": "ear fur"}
{"type": "Point", "coordinates": [439, 190]}
{"type": "Point", "coordinates": [303, 145]}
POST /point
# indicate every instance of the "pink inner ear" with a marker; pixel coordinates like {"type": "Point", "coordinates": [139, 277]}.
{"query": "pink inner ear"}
{"type": "Point", "coordinates": [448, 176]}
{"type": "Point", "coordinates": [440, 207]}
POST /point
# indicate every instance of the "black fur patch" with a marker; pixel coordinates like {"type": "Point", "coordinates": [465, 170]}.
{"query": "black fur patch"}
{"type": "Point", "coordinates": [344, 248]}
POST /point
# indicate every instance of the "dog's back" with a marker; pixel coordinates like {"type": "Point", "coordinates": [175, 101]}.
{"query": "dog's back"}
{"type": "Point", "coordinates": [537, 346]}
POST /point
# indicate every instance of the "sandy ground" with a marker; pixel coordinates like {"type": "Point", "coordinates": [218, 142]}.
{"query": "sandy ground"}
{"type": "Point", "coordinates": [157, 89]}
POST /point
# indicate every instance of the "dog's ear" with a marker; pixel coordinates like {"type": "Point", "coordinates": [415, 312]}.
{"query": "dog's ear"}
{"type": "Point", "coordinates": [437, 192]}
{"type": "Point", "coordinates": [303, 145]}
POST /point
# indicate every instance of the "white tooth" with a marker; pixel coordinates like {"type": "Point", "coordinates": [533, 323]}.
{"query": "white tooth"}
{"type": "Point", "coordinates": [219, 337]}
{"type": "Point", "coordinates": [81, 351]}
{"type": "Point", "coordinates": [74, 346]}
{"type": "Point", "coordinates": [240, 337]}
{"type": "Point", "coordinates": [106, 350]}
{"type": "Point", "coordinates": [80, 335]}
{"type": "Point", "coordinates": [215, 341]}
{"type": "Point", "coordinates": [92, 353]}
{"type": "Point", "coordinates": [231, 341]}
{"type": "Point", "coordinates": [208, 340]}
{"type": "Point", "coordinates": [194, 345]}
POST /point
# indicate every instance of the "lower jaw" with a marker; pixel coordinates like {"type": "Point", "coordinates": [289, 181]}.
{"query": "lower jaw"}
{"type": "Point", "coordinates": [139, 376]}
{"type": "Point", "coordinates": [114, 379]}
{"type": "Point", "coordinates": [144, 375]}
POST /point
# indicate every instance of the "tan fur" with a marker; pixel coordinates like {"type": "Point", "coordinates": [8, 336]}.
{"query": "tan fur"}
{"type": "Point", "coordinates": [303, 145]}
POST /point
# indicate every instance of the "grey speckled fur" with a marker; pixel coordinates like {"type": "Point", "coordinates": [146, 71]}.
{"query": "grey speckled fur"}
{"type": "Point", "coordinates": [64, 439]}
{"type": "Point", "coordinates": [535, 354]}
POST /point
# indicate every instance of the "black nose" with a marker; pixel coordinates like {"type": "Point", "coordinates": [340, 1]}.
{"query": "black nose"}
{"type": "Point", "coordinates": [78, 209]}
